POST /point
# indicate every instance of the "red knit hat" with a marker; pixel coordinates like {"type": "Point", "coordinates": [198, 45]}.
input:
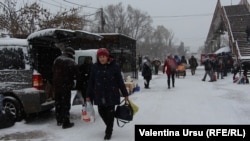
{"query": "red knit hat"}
{"type": "Point", "coordinates": [102, 51]}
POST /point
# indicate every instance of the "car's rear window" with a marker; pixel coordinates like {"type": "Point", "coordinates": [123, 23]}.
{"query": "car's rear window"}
{"type": "Point", "coordinates": [13, 57]}
{"type": "Point", "coordinates": [81, 59]}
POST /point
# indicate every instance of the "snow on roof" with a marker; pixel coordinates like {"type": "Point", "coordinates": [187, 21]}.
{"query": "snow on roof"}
{"type": "Point", "coordinates": [89, 33]}
{"type": "Point", "coordinates": [51, 31]}
{"type": "Point", "coordinates": [46, 32]}
{"type": "Point", "coordinates": [223, 49]}
{"type": "Point", "coordinates": [115, 34]}
{"type": "Point", "coordinates": [13, 42]}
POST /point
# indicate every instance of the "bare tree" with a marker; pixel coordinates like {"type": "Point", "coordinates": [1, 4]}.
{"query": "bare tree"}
{"type": "Point", "coordinates": [181, 49]}
{"type": "Point", "coordinates": [29, 18]}
{"type": "Point", "coordinates": [20, 23]}
{"type": "Point", "coordinates": [8, 16]}
{"type": "Point", "coordinates": [138, 23]}
{"type": "Point", "coordinates": [129, 21]}
{"type": "Point", "coordinates": [115, 18]}
{"type": "Point", "coordinates": [68, 20]}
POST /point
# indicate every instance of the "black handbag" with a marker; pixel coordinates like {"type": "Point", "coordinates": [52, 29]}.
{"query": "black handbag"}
{"type": "Point", "coordinates": [123, 113]}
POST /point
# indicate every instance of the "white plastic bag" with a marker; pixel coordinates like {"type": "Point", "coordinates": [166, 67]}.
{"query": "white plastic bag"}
{"type": "Point", "coordinates": [88, 112]}
{"type": "Point", "coordinates": [78, 99]}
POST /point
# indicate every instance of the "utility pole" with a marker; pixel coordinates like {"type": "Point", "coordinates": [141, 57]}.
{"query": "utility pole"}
{"type": "Point", "coordinates": [102, 21]}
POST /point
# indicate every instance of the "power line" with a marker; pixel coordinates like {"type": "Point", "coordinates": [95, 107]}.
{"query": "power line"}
{"type": "Point", "coordinates": [50, 3]}
{"type": "Point", "coordinates": [177, 16]}
{"type": "Point", "coordinates": [61, 3]}
{"type": "Point", "coordinates": [81, 5]}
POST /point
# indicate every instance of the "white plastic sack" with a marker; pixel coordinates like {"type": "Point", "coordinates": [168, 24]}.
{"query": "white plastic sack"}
{"type": "Point", "coordinates": [78, 99]}
{"type": "Point", "coordinates": [88, 112]}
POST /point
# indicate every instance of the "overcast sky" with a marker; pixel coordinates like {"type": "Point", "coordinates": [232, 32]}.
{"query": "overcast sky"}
{"type": "Point", "coordinates": [189, 20]}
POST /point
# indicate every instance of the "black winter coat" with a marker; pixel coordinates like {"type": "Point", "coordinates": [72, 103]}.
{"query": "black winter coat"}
{"type": "Point", "coordinates": [105, 84]}
{"type": "Point", "coordinates": [208, 64]}
{"type": "Point", "coordinates": [193, 62]}
{"type": "Point", "coordinates": [84, 73]}
{"type": "Point", "coordinates": [65, 71]}
{"type": "Point", "coordinates": [147, 71]}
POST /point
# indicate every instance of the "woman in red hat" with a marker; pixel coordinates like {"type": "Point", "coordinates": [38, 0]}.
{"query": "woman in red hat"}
{"type": "Point", "coordinates": [105, 84]}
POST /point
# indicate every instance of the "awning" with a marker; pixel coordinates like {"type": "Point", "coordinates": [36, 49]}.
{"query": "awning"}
{"type": "Point", "coordinates": [223, 49]}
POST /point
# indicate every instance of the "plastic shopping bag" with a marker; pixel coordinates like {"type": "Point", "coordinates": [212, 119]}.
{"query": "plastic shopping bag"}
{"type": "Point", "coordinates": [88, 112]}
{"type": "Point", "coordinates": [78, 99]}
{"type": "Point", "coordinates": [134, 107]}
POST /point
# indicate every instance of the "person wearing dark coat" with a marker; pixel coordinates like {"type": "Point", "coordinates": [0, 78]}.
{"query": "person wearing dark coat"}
{"type": "Point", "coordinates": [193, 64]}
{"type": "Point", "coordinates": [106, 86]}
{"type": "Point", "coordinates": [64, 73]}
{"type": "Point", "coordinates": [156, 63]}
{"type": "Point", "coordinates": [84, 73]}
{"type": "Point", "coordinates": [219, 67]}
{"type": "Point", "coordinates": [208, 65]}
{"type": "Point", "coordinates": [146, 72]}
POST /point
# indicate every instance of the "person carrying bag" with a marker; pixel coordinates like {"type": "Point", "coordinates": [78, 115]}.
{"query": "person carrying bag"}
{"type": "Point", "coordinates": [106, 86]}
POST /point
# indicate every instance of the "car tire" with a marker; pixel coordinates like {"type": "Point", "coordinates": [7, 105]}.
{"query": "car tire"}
{"type": "Point", "coordinates": [14, 107]}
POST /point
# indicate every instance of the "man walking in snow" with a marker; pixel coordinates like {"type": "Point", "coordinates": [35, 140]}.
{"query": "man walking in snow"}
{"type": "Point", "coordinates": [193, 64]}
{"type": "Point", "coordinates": [208, 68]}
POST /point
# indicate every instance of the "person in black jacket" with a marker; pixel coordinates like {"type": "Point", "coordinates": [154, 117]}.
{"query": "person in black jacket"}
{"type": "Point", "coordinates": [193, 64]}
{"type": "Point", "coordinates": [208, 68]}
{"type": "Point", "coordinates": [106, 86]}
{"type": "Point", "coordinates": [146, 72]}
{"type": "Point", "coordinates": [64, 73]}
{"type": "Point", "coordinates": [84, 73]}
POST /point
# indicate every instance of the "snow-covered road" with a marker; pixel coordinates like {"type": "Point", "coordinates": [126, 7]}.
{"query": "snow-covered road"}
{"type": "Point", "coordinates": [192, 101]}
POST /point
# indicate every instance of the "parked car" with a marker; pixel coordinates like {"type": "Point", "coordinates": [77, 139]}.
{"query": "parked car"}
{"type": "Point", "coordinates": [80, 55]}
{"type": "Point", "coordinates": [26, 69]}
{"type": "Point", "coordinates": [19, 83]}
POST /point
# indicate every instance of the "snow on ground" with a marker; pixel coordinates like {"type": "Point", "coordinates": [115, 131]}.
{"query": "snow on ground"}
{"type": "Point", "coordinates": [192, 101]}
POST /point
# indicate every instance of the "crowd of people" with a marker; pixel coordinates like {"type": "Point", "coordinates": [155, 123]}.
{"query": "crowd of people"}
{"type": "Point", "coordinates": [218, 67]}
{"type": "Point", "coordinates": [170, 66]}
{"type": "Point", "coordinates": [215, 67]}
